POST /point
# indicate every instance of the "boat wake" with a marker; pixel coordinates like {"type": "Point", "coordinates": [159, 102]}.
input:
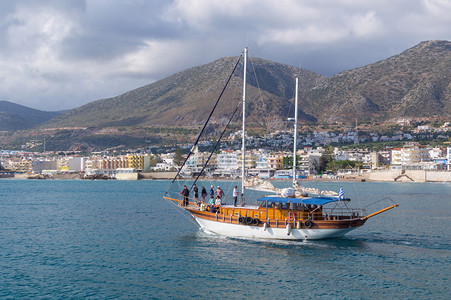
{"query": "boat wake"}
{"type": "Point", "coordinates": [408, 240]}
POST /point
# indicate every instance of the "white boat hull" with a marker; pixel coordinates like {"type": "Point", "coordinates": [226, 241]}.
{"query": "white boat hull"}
{"type": "Point", "coordinates": [260, 232]}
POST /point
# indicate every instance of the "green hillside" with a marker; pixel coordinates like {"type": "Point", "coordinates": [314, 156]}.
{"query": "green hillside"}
{"type": "Point", "coordinates": [18, 117]}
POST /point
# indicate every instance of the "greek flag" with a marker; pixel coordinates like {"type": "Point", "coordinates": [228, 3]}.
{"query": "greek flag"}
{"type": "Point", "coordinates": [341, 194]}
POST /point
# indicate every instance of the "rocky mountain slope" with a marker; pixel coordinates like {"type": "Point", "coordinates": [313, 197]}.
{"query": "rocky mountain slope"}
{"type": "Point", "coordinates": [186, 98]}
{"type": "Point", "coordinates": [415, 83]}
{"type": "Point", "coordinates": [17, 117]}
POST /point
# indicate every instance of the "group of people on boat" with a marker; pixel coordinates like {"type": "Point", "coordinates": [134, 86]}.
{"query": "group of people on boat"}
{"type": "Point", "coordinates": [216, 195]}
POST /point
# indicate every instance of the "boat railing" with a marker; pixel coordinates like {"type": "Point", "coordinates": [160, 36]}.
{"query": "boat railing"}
{"type": "Point", "coordinates": [380, 206]}
{"type": "Point", "coordinates": [339, 213]}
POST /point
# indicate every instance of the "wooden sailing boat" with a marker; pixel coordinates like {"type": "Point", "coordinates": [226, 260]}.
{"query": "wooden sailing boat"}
{"type": "Point", "coordinates": [287, 215]}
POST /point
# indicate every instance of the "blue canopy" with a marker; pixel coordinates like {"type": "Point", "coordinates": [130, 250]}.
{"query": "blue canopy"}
{"type": "Point", "coordinates": [312, 201]}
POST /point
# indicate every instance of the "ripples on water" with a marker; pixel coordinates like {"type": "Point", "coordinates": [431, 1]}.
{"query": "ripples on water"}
{"type": "Point", "coordinates": [111, 239]}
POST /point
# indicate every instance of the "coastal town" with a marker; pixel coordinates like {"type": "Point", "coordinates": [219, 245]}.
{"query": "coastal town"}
{"type": "Point", "coordinates": [268, 157]}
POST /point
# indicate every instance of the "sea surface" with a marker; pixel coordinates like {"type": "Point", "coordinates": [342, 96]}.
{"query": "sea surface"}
{"type": "Point", "coordinates": [120, 239]}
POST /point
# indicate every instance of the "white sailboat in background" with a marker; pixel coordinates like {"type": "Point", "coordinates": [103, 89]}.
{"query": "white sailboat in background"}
{"type": "Point", "coordinates": [285, 214]}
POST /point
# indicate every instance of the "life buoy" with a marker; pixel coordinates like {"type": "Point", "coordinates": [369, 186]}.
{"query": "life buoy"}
{"type": "Point", "coordinates": [241, 219]}
{"type": "Point", "coordinates": [255, 222]}
{"type": "Point", "coordinates": [291, 216]}
{"type": "Point", "coordinates": [247, 220]}
{"type": "Point", "coordinates": [308, 223]}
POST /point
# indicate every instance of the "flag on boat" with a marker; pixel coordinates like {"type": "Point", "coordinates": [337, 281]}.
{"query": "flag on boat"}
{"type": "Point", "coordinates": [341, 194]}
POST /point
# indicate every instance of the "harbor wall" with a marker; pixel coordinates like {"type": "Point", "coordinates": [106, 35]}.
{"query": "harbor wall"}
{"type": "Point", "coordinates": [416, 176]}
{"type": "Point", "coordinates": [127, 176]}
{"type": "Point", "coordinates": [157, 175]}
{"type": "Point", "coordinates": [410, 176]}
{"type": "Point", "coordinates": [437, 176]}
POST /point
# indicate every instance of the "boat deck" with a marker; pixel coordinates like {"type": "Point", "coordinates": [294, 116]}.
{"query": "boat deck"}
{"type": "Point", "coordinates": [240, 206]}
{"type": "Point", "coordinates": [273, 217]}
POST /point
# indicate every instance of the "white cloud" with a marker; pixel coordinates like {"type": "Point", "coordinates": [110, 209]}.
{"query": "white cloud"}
{"type": "Point", "coordinates": [62, 54]}
{"type": "Point", "coordinates": [365, 25]}
{"type": "Point", "coordinates": [441, 8]}
{"type": "Point", "coordinates": [309, 35]}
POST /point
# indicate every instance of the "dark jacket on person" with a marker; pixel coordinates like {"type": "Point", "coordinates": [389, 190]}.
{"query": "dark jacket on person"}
{"type": "Point", "coordinates": [185, 192]}
{"type": "Point", "coordinates": [196, 192]}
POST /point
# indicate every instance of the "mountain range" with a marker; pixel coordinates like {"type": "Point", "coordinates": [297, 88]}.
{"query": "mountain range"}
{"type": "Point", "coordinates": [16, 117]}
{"type": "Point", "coordinates": [413, 84]}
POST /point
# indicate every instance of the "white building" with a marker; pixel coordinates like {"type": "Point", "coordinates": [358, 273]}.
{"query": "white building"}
{"type": "Point", "coordinates": [195, 162]}
{"type": "Point", "coordinates": [448, 158]}
{"type": "Point", "coordinates": [43, 164]}
{"type": "Point", "coordinates": [164, 166]}
{"type": "Point", "coordinates": [409, 154]}
{"type": "Point", "coordinates": [226, 163]}
{"type": "Point", "coordinates": [262, 160]}
{"type": "Point", "coordinates": [77, 164]}
{"type": "Point", "coordinates": [437, 153]}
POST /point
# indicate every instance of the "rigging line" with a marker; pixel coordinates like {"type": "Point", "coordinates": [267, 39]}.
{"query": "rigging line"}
{"type": "Point", "coordinates": [357, 195]}
{"type": "Point", "coordinates": [176, 206]}
{"type": "Point", "coordinates": [205, 125]}
{"type": "Point", "coordinates": [217, 143]}
{"type": "Point", "coordinates": [256, 79]}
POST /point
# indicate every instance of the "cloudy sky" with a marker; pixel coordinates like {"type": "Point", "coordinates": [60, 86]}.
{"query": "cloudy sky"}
{"type": "Point", "coordinates": [60, 54]}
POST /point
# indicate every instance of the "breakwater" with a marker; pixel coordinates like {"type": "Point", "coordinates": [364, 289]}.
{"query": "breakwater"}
{"type": "Point", "coordinates": [409, 176]}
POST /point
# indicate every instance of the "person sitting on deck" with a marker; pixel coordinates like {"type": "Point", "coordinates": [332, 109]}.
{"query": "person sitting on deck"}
{"type": "Point", "coordinates": [214, 208]}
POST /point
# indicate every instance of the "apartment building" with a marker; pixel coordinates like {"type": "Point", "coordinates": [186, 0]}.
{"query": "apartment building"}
{"type": "Point", "coordinates": [138, 162]}
{"type": "Point", "coordinates": [40, 165]}
{"type": "Point", "coordinates": [227, 160]}
{"type": "Point", "coordinates": [250, 160]}
{"type": "Point", "coordinates": [196, 161]}
{"type": "Point", "coordinates": [111, 163]}
{"type": "Point", "coordinates": [22, 165]}
{"type": "Point", "coordinates": [275, 161]}
{"type": "Point", "coordinates": [63, 164]}
{"type": "Point", "coordinates": [308, 162]}
{"type": "Point", "coordinates": [409, 154]}
{"type": "Point", "coordinates": [77, 164]}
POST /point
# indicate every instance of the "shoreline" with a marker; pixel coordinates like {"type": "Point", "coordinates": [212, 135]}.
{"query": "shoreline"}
{"type": "Point", "coordinates": [317, 179]}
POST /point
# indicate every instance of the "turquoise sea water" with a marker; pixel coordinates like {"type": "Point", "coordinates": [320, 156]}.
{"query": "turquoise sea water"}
{"type": "Point", "coordinates": [119, 239]}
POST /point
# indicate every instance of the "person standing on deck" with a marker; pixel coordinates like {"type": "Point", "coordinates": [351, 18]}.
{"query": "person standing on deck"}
{"type": "Point", "coordinates": [235, 195]}
{"type": "Point", "coordinates": [196, 193]}
{"type": "Point", "coordinates": [212, 195]}
{"type": "Point", "coordinates": [219, 195]}
{"type": "Point", "coordinates": [203, 194]}
{"type": "Point", "coordinates": [185, 194]}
